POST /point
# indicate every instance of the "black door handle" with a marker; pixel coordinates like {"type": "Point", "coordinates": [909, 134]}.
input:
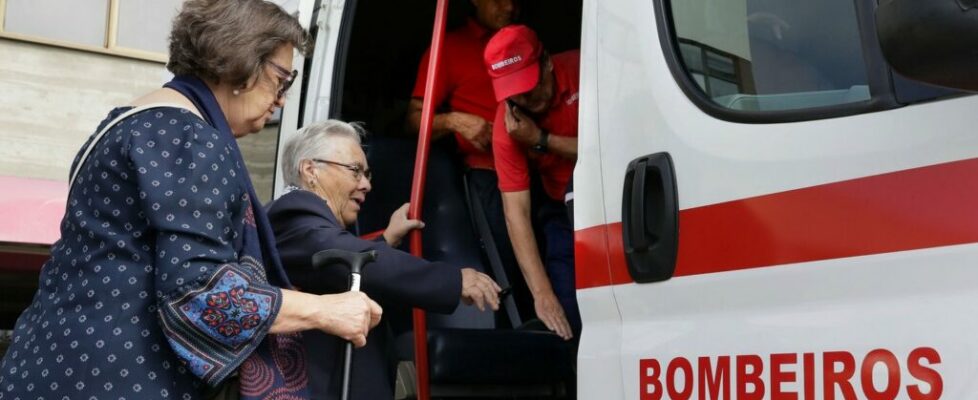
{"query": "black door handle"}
{"type": "Point", "coordinates": [650, 218]}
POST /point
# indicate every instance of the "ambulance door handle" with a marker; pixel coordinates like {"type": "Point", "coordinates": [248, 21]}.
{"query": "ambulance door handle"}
{"type": "Point", "coordinates": [637, 230]}
{"type": "Point", "coordinates": [650, 218]}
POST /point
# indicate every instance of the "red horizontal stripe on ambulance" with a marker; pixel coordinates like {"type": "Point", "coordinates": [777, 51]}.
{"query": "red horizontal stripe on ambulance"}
{"type": "Point", "coordinates": [911, 209]}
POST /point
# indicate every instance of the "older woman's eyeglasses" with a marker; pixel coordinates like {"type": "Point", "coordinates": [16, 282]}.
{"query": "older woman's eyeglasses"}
{"type": "Point", "coordinates": [358, 171]}
{"type": "Point", "coordinates": [286, 78]}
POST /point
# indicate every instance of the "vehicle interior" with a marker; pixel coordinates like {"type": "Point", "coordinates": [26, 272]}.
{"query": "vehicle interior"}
{"type": "Point", "coordinates": [471, 354]}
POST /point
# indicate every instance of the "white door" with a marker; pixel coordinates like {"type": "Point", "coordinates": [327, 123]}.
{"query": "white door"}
{"type": "Point", "coordinates": [599, 356]}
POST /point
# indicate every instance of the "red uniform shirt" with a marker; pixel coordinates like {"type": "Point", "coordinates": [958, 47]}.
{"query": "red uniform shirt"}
{"type": "Point", "coordinates": [464, 83]}
{"type": "Point", "coordinates": [560, 120]}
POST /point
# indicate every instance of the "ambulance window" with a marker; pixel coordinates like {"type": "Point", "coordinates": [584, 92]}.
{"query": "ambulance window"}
{"type": "Point", "coordinates": [772, 55]}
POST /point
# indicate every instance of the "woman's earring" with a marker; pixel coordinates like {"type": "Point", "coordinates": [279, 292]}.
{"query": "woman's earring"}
{"type": "Point", "coordinates": [235, 92]}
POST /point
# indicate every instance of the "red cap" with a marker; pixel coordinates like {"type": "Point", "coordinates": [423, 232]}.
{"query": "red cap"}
{"type": "Point", "coordinates": [512, 58]}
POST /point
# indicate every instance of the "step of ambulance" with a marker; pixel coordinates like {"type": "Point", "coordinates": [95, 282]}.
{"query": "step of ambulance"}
{"type": "Point", "coordinates": [486, 357]}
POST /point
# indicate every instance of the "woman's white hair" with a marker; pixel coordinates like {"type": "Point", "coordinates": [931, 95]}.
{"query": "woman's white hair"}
{"type": "Point", "coordinates": [316, 140]}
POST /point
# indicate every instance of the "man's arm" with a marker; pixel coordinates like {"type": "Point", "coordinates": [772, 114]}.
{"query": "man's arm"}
{"type": "Point", "coordinates": [516, 207]}
{"type": "Point", "coordinates": [440, 127]}
{"type": "Point", "coordinates": [525, 131]}
{"type": "Point", "coordinates": [472, 127]}
{"type": "Point", "coordinates": [564, 146]}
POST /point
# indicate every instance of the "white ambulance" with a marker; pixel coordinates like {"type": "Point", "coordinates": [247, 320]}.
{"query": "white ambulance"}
{"type": "Point", "coordinates": [763, 208]}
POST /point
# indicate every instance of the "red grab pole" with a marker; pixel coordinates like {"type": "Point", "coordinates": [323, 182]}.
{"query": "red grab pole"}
{"type": "Point", "coordinates": [417, 190]}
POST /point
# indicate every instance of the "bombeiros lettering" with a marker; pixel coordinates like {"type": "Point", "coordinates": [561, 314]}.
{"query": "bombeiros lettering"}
{"type": "Point", "coordinates": [508, 61]}
{"type": "Point", "coordinates": [793, 376]}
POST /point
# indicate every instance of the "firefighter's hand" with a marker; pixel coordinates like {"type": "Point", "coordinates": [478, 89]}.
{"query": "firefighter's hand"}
{"type": "Point", "coordinates": [473, 128]}
{"type": "Point", "coordinates": [521, 127]}
{"type": "Point", "coordinates": [348, 315]}
{"type": "Point", "coordinates": [400, 225]}
{"type": "Point", "coordinates": [480, 289]}
{"type": "Point", "coordinates": [551, 313]}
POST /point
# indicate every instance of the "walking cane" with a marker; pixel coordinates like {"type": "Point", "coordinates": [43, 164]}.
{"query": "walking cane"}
{"type": "Point", "coordinates": [355, 262]}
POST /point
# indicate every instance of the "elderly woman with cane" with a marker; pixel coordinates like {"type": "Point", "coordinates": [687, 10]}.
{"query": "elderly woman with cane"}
{"type": "Point", "coordinates": [166, 282]}
{"type": "Point", "coordinates": [329, 180]}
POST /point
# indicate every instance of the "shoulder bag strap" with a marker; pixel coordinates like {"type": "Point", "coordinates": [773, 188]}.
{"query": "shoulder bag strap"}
{"type": "Point", "coordinates": [98, 137]}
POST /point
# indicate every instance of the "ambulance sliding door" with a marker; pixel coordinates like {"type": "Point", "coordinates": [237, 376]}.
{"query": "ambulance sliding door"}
{"type": "Point", "coordinates": [826, 232]}
{"type": "Point", "coordinates": [599, 359]}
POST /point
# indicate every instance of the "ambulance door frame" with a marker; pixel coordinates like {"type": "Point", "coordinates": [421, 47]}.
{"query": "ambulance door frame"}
{"type": "Point", "coordinates": [417, 189]}
{"type": "Point", "coordinates": [301, 109]}
{"type": "Point", "coordinates": [341, 50]}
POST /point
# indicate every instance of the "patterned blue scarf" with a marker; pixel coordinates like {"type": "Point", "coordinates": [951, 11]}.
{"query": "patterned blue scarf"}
{"type": "Point", "coordinates": [276, 369]}
{"type": "Point", "coordinates": [197, 91]}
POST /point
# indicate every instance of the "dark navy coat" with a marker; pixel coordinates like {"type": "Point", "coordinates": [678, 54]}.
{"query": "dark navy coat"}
{"type": "Point", "coordinates": [304, 225]}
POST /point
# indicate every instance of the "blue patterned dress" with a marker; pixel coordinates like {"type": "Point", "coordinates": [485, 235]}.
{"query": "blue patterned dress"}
{"type": "Point", "coordinates": [151, 291]}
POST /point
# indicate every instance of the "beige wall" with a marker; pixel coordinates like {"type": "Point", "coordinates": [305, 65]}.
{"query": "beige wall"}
{"type": "Point", "coordinates": [259, 154]}
{"type": "Point", "coordinates": [53, 98]}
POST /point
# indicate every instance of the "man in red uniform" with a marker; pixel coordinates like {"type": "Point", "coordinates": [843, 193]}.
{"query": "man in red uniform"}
{"type": "Point", "coordinates": [466, 89]}
{"type": "Point", "coordinates": [536, 125]}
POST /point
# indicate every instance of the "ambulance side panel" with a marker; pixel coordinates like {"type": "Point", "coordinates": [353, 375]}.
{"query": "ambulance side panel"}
{"type": "Point", "coordinates": [824, 255]}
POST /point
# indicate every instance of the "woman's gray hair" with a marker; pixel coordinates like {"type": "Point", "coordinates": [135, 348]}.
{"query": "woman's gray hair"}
{"type": "Point", "coordinates": [229, 41]}
{"type": "Point", "coordinates": [314, 141]}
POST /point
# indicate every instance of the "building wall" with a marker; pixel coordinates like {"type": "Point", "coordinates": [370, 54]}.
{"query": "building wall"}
{"type": "Point", "coordinates": [53, 99]}
{"type": "Point", "coordinates": [259, 153]}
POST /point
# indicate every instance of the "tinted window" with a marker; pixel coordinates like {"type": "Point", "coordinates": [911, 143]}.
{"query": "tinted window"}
{"type": "Point", "coordinates": [81, 22]}
{"type": "Point", "coordinates": [768, 55]}
{"type": "Point", "coordinates": [145, 24]}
